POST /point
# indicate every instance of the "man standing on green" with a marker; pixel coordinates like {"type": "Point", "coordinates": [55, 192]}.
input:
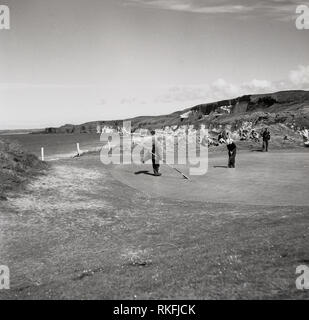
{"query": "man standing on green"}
{"type": "Point", "coordinates": [231, 147]}
{"type": "Point", "coordinates": [266, 138]}
{"type": "Point", "coordinates": [156, 156]}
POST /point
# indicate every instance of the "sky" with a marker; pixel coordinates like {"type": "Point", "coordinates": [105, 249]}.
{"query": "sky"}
{"type": "Point", "coordinates": [73, 61]}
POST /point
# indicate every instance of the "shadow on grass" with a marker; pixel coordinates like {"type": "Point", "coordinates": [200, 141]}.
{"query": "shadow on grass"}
{"type": "Point", "coordinates": [144, 172]}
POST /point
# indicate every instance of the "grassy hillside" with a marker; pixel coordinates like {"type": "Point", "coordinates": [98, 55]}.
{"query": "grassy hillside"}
{"type": "Point", "coordinates": [287, 107]}
{"type": "Point", "coordinates": [16, 167]}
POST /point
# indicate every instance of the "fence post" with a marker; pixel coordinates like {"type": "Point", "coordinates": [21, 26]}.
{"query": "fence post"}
{"type": "Point", "coordinates": [42, 154]}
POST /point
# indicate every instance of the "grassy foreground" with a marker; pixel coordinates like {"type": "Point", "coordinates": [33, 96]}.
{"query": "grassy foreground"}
{"type": "Point", "coordinates": [79, 233]}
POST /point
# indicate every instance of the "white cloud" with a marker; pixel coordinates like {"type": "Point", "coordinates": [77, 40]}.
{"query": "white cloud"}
{"type": "Point", "coordinates": [300, 77]}
{"type": "Point", "coordinates": [256, 84]}
{"type": "Point", "coordinates": [278, 9]}
{"type": "Point", "coordinates": [220, 89]}
{"type": "Point", "coordinates": [196, 6]}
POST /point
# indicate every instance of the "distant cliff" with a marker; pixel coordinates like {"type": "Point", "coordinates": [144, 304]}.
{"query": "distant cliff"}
{"type": "Point", "coordinates": [286, 107]}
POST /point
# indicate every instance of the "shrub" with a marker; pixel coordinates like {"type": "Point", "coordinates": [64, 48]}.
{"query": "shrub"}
{"type": "Point", "coordinates": [16, 166]}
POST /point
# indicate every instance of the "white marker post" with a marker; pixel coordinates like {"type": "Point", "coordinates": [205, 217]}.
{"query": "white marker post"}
{"type": "Point", "coordinates": [42, 154]}
{"type": "Point", "coordinates": [78, 149]}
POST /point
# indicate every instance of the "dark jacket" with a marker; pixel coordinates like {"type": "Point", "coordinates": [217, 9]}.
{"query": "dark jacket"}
{"type": "Point", "coordinates": [231, 147]}
{"type": "Point", "coordinates": [266, 136]}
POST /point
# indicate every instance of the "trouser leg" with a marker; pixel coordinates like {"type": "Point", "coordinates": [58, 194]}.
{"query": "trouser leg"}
{"type": "Point", "coordinates": [229, 162]}
{"type": "Point", "coordinates": [155, 167]}
{"type": "Point", "coordinates": [232, 158]}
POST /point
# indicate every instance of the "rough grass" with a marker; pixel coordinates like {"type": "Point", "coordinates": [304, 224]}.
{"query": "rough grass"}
{"type": "Point", "coordinates": [77, 233]}
{"type": "Point", "coordinates": [16, 167]}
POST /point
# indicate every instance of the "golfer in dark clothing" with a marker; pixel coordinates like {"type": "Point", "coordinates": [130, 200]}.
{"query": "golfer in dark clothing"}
{"type": "Point", "coordinates": [155, 156]}
{"type": "Point", "coordinates": [266, 138]}
{"type": "Point", "coordinates": [231, 147]}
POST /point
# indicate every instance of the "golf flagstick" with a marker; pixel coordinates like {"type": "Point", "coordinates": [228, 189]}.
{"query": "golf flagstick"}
{"type": "Point", "coordinates": [186, 177]}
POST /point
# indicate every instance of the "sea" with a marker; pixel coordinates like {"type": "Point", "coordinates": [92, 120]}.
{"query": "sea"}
{"type": "Point", "coordinates": [56, 146]}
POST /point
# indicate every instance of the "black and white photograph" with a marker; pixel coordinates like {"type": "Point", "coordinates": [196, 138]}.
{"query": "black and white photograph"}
{"type": "Point", "coordinates": [154, 150]}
